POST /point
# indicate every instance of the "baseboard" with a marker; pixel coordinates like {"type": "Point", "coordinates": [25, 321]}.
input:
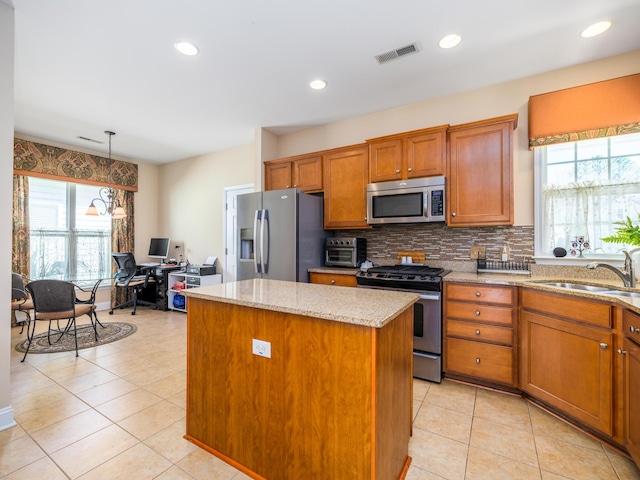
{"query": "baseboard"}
{"type": "Point", "coordinates": [6, 418]}
{"type": "Point", "coordinates": [103, 306]}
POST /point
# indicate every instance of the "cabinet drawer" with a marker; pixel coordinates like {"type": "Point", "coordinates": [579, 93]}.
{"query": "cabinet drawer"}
{"type": "Point", "coordinates": [631, 326]}
{"type": "Point", "coordinates": [573, 308]}
{"type": "Point", "coordinates": [479, 332]}
{"type": "Point", "coordinates": [479, 313]}
{"type": "Point", "coordinates": [478, 293]}
{"type": "Point", "coordinates": [481, 360]}
{"type": "Point", "coordinates": [333, 279]}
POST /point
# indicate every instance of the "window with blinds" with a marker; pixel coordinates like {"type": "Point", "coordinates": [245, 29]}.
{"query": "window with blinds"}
{"type": "Point", "coordinates": [65, 243]}
{"type": "Point", "coordinates": [583, 188]}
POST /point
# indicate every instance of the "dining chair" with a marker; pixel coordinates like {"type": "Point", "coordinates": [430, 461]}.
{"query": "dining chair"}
{"type": "Point", "coordinates": [91, 301]}
{"type": "Point", "coordinates": [53, 301]}
{"type": "Point", "coordinates": [20, 299]}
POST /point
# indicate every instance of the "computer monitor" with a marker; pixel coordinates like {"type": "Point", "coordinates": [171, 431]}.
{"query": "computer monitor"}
{"type": "Point", "coordinates": [159, 248]}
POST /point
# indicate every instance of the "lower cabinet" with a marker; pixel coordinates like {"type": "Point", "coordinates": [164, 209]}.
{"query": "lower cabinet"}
{"type": "Point", "coordinates": [567, 356]}
{"type": "Point", "coordinates": [479, 333]}
{"type": "Point", "coordinates": [631, 350]}
{"type": "Point", "coordinates": [341, 280]}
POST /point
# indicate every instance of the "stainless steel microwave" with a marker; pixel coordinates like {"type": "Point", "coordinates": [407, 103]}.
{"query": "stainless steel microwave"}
{"type": "Point", "coordinates": [418, 200]}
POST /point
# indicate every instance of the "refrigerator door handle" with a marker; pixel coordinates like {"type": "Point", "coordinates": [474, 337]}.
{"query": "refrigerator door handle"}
{"type": "Point", "coordinates": [264, 252]}
{"type": "Point", "coordinates": [256, 264]}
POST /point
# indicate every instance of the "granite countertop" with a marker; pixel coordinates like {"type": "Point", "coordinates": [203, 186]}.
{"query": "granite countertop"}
{"type": "Point", "coordinates": [358, 306]}
{"type": "Point", "coordinates": [534, 281]}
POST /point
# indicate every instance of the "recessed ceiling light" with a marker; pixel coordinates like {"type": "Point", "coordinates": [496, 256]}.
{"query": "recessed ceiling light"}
{"type": "Point", "coordinates": [595, 29]}
{"type": "Point", "coordinates": [450, 41]}
{"type": "Point", "coordinates": [186, 48]}
{"type": "Point", "coordinates": [318, 84]}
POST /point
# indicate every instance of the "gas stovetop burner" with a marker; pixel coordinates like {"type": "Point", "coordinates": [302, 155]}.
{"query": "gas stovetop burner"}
{"type": "Point", "coordinates": [414, 277]}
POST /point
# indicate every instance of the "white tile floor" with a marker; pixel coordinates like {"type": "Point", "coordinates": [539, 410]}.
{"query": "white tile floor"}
{"type": "Point", "coordinates": [118, 411]}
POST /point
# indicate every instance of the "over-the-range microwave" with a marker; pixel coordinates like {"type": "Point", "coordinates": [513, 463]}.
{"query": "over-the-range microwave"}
{"type": "Point", "coordinates": [418, 200]}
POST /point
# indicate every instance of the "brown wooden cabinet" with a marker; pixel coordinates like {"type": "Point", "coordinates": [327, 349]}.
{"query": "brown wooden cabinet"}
{"type": "Point", "coordinates": [420, 153]}
{"type": "Point", "coordinates": [480, 172]}
{"type": "Point", "coordinates": [303, 172]}
{"type": "Point", "coordinates": [631, 350]}
{"type": "Point", "coordinates": [567, 356]}
{"type": "Point", "coordinates": [346, 174]}
{"type": "Point", "coordinates": [337, 279]}
{"type": "Point", "coordinates": [479, 333]}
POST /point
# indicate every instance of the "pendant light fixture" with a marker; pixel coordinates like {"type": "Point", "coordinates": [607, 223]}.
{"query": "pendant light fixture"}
{"type": "Point", "coordinates": [107, 195]}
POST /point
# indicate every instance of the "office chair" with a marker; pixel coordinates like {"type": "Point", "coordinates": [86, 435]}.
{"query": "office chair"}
{"type": "Point", "coordinates": [20, 299]}
{"type": "Point", "coordinates": [127, 277]}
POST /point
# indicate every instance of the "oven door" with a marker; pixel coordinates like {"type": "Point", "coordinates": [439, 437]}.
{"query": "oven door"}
{"type": "Point", "coordinates": [427, 323]}
{"type": "Point", "coordinates": [340, 257]}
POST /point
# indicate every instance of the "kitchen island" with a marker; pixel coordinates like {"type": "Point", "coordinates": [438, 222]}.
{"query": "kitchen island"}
{"type": "Point", "coordinates": [328, 396]}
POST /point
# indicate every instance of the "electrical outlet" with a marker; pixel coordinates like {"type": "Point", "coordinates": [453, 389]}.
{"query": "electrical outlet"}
{"type": "Point", "coordinates": [261, 348]}
{"type": "Point", "coordinates": [477, 252]}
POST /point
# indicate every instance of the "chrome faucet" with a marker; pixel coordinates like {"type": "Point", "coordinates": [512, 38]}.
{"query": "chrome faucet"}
{"type": "Point", "coordinates": [628, 276]}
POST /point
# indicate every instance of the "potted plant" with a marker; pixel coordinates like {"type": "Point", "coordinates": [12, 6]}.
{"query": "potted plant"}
{"type": "Point", "coordinates": [627, 233]}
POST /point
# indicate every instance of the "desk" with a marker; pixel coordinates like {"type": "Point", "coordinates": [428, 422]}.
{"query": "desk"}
{"type": "Point", "coordinates": [157, 291]}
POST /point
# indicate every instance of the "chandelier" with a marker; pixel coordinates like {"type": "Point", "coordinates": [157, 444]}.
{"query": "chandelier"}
{"type": "Point", "coordinates": [106, 196]}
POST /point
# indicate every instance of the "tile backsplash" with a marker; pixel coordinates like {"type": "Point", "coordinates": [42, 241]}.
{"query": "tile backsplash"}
{"type": "Point", "coordinates": [443, 243]}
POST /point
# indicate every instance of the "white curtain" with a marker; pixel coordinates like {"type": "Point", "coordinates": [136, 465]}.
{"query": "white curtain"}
{"type": "Point", "coordinates": [587, 209]}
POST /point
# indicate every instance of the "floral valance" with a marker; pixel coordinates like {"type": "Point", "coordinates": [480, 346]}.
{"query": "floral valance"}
{"type": "Point", "coordinates": [601, 109]}
{"type": "Point", "coordinates": [39, 160]}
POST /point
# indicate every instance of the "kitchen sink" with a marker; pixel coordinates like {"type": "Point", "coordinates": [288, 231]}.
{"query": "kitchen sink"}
{"type": "Point", "coordinates": [622, 293]}
{"type": "Point", "coordinates": [579, 286]}
{"type": "Point", "coordinates": [591, 288]}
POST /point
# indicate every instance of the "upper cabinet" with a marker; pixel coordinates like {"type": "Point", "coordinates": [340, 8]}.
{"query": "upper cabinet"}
{"type": "Point", "coordinates": [303, 172]}
{"type": "Point", "coordinates": [480, 172]}
{"type": "Point", "coordinates": [420, 153]}
{"type": "Point", "coordinates": [346, 176]}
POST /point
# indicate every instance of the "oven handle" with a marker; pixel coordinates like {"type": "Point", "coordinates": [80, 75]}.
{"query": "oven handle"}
{"type": "Point", "coordinates": [433, 296]}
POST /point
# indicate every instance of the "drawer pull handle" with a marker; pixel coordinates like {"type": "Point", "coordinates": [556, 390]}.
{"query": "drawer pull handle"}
{"type": "Point", "coordinates": [603, 346]}
{"type": "Point", "coordinates": [477, 294]}
{"type": "Point", "coordinates": [477, 332]}
{"type": "Point", "coordinates": [477, 313]}
{"type": "Point", "coordinates": [633, 329]}
{"type": "Point", "coordinates": [621, 352]}
{"type": "Point", "coordinates": [397, 171]}
{"type": "Point", "coordinates": [409, 169]}
{"type": "Point", "coordinates": [333, 282]}
{"type": "Point", "coordinates": [477, 360]}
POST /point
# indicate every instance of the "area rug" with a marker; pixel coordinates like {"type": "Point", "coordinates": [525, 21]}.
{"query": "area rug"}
{"type": "Point", "coordinates": [111, 332]}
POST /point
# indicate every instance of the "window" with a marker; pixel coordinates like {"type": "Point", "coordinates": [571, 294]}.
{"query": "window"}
{"type": "Point", "coordinates": [582, 189]}
{"type": "Point", "coordinates": [65, 243]}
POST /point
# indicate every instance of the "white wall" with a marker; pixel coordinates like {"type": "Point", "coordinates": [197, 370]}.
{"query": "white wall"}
{"type": "Point", "coordinates": [6, 161]}
{"type": "Point", "coordinates": [493, 101]}
{"type": "Point", "coordinates": [191, 199]}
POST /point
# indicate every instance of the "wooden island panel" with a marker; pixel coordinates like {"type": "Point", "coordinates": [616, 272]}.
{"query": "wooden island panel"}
{"type": "Point", "coordinates": [333, 401]}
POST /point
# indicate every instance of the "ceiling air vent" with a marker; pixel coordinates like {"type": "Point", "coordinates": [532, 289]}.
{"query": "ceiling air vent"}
{"type": "Point", "coordinates": [397, 53]}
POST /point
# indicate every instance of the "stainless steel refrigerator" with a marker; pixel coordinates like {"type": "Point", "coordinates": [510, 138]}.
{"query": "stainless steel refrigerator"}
{"type": "Point", "coordinates": [281, 235]}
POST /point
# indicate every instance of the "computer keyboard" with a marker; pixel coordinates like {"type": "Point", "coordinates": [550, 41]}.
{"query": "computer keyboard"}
{"type": "Point", "coordinates": [149, 264]}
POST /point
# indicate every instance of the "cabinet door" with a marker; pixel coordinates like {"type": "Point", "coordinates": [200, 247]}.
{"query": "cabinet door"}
{"type": "Point", "coordinates": [346, 173]}
{"type": "Point", "coordinates": [632, 399]}
{"type": "Point", "coordinates": [277, 175]}
{"type": "Point", "coordinates": [425, 154]}
{"type": "Point", "coordinates": [481, 175]}
{"type": "Point", "coordinates": [569, 366]}
{"type": "Point", "coordinates": [385, 160]}
{"type": "Point", "coordinates": [307, 173]}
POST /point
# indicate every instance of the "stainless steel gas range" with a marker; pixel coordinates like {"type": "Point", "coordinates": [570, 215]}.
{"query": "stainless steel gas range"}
{"type": "Point", "coordinates": [427, 312]}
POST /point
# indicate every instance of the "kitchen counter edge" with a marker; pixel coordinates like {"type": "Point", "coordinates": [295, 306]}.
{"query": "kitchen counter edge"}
{"type": "Point", "coordinates": [358, 306]}
{"type": "Point", "coordinates": [533, 281]}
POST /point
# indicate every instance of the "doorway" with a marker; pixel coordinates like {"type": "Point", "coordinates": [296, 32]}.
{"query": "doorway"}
{"type": "Point", "coordinates": [231, 227]}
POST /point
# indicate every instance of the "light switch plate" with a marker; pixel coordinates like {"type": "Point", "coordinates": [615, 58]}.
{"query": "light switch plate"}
{"type": "Point", "coordinates": [261, 348]}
